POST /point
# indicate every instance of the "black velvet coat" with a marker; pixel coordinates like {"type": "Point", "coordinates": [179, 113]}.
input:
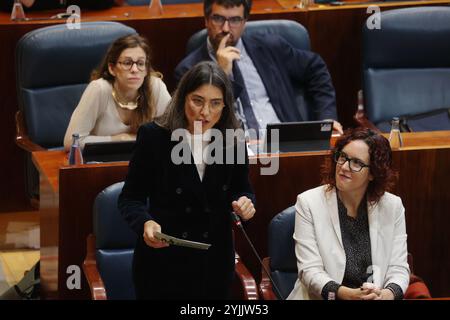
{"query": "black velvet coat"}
{"type": "Point", "coordinates": [185, 207]}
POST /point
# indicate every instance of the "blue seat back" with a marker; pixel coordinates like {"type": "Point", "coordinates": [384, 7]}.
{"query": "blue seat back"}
{"type": "Point", "coordinates": [53, 67]}
{"type": "Point", "coordinates": [281, 249]}
{"type": "Point", "coordinates": [115, 242]}
{"type": "Point", "coordinates": [406, 63]}
{"type": "Point", "coordinates": [291, 31]}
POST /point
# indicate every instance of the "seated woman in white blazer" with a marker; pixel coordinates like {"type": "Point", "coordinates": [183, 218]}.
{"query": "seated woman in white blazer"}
{"type": "Point", "coordinates": [350, 233]}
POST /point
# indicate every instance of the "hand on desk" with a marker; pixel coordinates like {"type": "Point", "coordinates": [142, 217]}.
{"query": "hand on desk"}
{"type": "Point", "coordinates": [150, 227]}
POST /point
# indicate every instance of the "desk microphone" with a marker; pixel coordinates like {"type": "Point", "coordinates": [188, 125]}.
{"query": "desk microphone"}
{"type": "Point", "coordinates": [238, 223]}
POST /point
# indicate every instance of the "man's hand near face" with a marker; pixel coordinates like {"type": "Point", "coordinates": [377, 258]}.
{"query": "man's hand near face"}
{"type": "Point", "coordinates": [226, 55]}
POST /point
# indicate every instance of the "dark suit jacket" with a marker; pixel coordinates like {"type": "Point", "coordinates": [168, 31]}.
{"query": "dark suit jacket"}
{"type": "Point", "coordinates": [282, 69]}
{"type": "Point", "coordinates": [185, 207]}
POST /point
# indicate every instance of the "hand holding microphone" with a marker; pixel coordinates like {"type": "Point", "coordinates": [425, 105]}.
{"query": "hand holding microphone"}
{"type": "Point", "coordinates": [244, 208]}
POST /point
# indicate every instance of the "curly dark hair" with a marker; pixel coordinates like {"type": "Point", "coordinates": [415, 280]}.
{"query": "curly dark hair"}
{"type": "Point", "coordinates": [384, 177]}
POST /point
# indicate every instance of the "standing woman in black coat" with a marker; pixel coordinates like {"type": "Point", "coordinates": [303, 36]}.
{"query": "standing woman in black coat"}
{"type": "Point", "coordinates": [189, 196]}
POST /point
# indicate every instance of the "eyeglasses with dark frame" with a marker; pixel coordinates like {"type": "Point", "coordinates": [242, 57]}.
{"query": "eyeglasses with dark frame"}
{"type": "Point", "coordinates": [219, 20]}
{"type": "Point", "coordinates": [354, 164]}
{"type": "Point", "coordinates": [127, 64]}
{"type": "Point", "coordinates": [215, 105]}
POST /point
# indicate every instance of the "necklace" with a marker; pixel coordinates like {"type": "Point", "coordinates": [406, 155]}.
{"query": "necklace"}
{"type": "Point", "coordinates": [129, 105]}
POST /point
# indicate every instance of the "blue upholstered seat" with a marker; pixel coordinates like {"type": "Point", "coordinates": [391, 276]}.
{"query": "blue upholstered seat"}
{"type": "Point", "coordinates": [53, 67]}
{"type": "Point", "coordinates": [406, 65]}
{"type": "Point", "coordinates": [293, 32]}
{"type": "Point", "coordinates": [281, 250]}
{"type": "Point", "coordinates": [114, 243]}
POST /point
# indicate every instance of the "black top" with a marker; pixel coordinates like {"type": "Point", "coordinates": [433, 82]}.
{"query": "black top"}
{"type": "Point", "coordinates": [356, 240]}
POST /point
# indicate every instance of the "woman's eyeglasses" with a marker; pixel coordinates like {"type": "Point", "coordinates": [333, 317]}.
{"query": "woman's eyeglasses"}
{"type": "Point", "coordinates": [215, 105]}
{"type": "Point", "coordinates": [128, 64]}
{"type": "Point", "coordinates": [355, 165]}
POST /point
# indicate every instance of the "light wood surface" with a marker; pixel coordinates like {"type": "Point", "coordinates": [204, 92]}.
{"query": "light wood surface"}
{"type": "Point", "coordinates": [50, 163]}
{"type": "Point", "coordinates": [15, 263]}
{"type": "Point", "coordinates": [435, 139]}
{"type": "Point", "coordinates": [18, 231]}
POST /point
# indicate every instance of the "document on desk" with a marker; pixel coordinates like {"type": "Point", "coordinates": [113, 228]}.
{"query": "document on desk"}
{"type": "Point", "coordinates": [181, 242]}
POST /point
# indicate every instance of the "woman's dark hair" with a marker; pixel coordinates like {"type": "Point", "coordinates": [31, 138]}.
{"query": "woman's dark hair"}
{"type": "Point", "coordinates": [146, 108]}
{"type": "Point", "coordinates": [203, 73]}
{"type": "Point", "coordinates": [380, 153]}
{"type": "Point", "coordinates": [207, 6]}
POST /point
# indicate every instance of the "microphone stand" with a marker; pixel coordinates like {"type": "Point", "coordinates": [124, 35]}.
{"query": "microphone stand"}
{"type": "Point", "coordinates": [238, 223]}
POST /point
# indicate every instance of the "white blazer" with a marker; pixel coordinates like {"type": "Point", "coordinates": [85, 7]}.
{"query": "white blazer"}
{"type": "Point", "coordinates": [320, 252]}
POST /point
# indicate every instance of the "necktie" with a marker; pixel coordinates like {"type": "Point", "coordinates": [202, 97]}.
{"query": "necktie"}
{"type": "Point", "coordinates": [250, 118]}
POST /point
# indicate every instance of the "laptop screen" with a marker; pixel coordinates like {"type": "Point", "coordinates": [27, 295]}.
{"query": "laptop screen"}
{"type": "Point", "coordinates": [298, 136]}
{"type": "Point", "coordinates": [110, 151]}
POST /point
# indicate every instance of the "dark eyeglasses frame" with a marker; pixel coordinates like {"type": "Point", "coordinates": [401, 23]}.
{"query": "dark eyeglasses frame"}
{"type": "Point", "coordinates": [338, 154]}
{"type": "Point", "coordinates": [122, 63]}
{"type": "Point", "coordinates": [233, 22]}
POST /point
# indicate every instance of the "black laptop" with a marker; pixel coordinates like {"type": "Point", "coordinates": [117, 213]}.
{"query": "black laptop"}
{"type": "Point", "coordinates": [111, 151]}
{"type": "Point", "coordinates": [299, 136]}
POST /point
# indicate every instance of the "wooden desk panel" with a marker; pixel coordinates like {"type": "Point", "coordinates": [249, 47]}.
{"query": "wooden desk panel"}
{"type": "Point", "coordinates": [424, 189]}
{"type": "Point", "coordinates": [422, 140]}
{"type": "Point", "coordinates": [66, 212]}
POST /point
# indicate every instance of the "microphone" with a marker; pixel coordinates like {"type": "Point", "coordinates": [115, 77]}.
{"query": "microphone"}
{"type": "Point", "coordinates": [238, 223]}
